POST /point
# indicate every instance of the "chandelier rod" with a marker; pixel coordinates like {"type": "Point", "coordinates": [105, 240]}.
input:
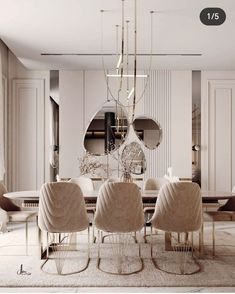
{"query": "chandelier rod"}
{"type": "Point", "coordinates": [135, 64]}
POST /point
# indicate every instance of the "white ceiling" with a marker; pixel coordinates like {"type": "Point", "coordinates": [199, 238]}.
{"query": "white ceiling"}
{"type": "Point", "coordinates": [32, 27]}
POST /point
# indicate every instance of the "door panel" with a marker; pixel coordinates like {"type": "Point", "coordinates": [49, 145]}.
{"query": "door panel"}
{"type": "Point", "coordinates": [221, 135]}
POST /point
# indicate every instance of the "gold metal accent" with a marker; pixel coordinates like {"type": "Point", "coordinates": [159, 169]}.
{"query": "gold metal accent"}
{"type": "Point", "coordinates": [56, 247]}
{"type": "Point", "coordinates": [119, 254]}
{"type": "Point", "coordinates": [180, 248]}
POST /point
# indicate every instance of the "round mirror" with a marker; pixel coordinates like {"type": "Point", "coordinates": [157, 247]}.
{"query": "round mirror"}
{"type": "Point", "coordinates": [107, 130]}
{"type": "Point", "coordinates": [134, 157]}
{"type": "Point", "coordinates": [148, 131]}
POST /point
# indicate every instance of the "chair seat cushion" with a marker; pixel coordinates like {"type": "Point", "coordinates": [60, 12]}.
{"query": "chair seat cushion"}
{"type": "Point", "coordinates": [20, 216]}
{"type": "Point", "coordinates": [217, 216]}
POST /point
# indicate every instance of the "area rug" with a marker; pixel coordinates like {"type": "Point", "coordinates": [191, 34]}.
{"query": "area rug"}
{"type": "Point", "coordinates": [216, 272]}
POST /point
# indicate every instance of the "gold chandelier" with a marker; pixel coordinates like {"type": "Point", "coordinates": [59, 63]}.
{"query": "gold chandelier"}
{"type": "Point", "coordinates": [123, 70]}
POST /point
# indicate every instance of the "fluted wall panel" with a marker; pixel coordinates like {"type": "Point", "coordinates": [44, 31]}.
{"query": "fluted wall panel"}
{"type": "Point", "coordinates": [157, 105]}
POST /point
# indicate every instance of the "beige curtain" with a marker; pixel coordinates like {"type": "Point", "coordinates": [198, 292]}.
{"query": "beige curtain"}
{"type": "Point", "coordinates": [2, 168]}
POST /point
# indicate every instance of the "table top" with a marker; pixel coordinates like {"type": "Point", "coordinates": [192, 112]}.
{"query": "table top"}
{"type": "Point", "coordinates": [146, 194]}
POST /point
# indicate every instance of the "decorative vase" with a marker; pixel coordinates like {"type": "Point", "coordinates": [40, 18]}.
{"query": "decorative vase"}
{"type": "Point", "coordinates": [126, 177]}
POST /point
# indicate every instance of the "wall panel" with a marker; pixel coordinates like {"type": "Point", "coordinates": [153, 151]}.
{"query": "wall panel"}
{"type": "Point", "coordinates": [167, 99]}
{"type": "Point", "coordinates": [28, 134]}
{"type": "Point", "coordinates": [157, 105]}
{"type": "Point", "coordinates": [218, 127]}
{"type": "Point", "coordinates": [71, 121]}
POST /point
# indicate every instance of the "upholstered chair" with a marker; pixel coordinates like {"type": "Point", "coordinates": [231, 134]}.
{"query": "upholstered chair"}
{"type": "Point", "coordinates": [13, 213]}
{"type": "Point", "coordinates": [86, 185]}
{"type": "Point", "coordinates": [178, 212]}
{"type": "Point", "coordinates": [225, 213]}
{"type": "Point", "coordinates": [62, 212]}
{"type": "Point", "coordinates": [119, 211]}
{"type": "Point", "coordinates": [155, 183]}
{"type": "Point", "coordinates": [151, 184]}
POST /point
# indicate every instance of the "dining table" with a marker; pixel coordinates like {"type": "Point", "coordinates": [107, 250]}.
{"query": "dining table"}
{"type": "Point", "coordinates": [149, 197]}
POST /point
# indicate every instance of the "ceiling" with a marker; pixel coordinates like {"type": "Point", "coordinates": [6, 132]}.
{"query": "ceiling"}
{"type": "Point", "coordinates": [32, 27]}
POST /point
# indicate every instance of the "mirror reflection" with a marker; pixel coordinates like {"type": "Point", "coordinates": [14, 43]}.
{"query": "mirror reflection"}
{"type": "Point", "coordinates": [107, 130]}
{"type": "Point", "coordinates": [134, 153]}
{"type": "Point", "coordinates": [148, 131]}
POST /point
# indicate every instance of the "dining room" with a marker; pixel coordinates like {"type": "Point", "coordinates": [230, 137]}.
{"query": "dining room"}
{"type": "Point", "coordinates": [117, 164]}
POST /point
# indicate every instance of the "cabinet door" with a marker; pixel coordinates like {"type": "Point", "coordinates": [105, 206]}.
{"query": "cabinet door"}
{"type": "Point", "coordinates": [28, 134]}
{"type": "Point", "coordinates": [221, 127]}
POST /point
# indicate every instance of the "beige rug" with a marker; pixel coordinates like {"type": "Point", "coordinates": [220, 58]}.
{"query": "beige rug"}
{"type": "Point", "coordinates": [215, 272]}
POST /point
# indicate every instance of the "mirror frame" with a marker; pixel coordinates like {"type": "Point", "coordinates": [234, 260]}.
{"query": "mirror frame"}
{"type": "Point", "coordinates": [157, 123]}
{"type": "Point", "coordinates": [122, 141]}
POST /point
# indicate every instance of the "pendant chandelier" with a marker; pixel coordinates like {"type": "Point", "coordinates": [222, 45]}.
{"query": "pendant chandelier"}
{"type": "Point", "coordinates": [125, 68]}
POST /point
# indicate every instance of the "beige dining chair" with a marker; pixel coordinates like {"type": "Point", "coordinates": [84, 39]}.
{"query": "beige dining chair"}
{"type": "Point", "coordinates": [119, 213]}
{"type": "Point", "coordinates": [178, 212]}
{"type": "Point", "coordinates": [151, 184]}
{"type": "Point", "coordinates": [86, 185]}
{"type": "Point", "coordinates": [14, 213]}
{"type": "Point", "coordinates": [61, 215]}
{"type": "Point", "coordinates": [155, 183]}
{"type": "Point", "coordinates": [225, 213]}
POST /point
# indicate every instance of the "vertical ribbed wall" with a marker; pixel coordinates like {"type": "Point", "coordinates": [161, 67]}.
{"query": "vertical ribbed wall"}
{"type": "Point", "coordinates": [157, 104]}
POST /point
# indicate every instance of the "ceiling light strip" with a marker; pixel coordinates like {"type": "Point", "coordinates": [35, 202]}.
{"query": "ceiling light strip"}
{"type": "Point", "coordinates": [112, 54]}
{"type": "Point", "coordinates": [125, 76]}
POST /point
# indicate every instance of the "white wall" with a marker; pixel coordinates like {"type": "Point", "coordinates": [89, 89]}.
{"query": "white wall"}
{"type": "Point", "coordinates": [168, 100]}
{"type": "Point", "coordinates": [71, 124]}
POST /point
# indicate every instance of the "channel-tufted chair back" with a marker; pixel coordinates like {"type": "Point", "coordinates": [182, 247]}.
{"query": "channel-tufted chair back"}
{"type": "Point", "coordinates": [119, 208]}
{"type": "Point", "coordinates": [62, 208]}
{"type": "Point", "coordinates": [178, 208]}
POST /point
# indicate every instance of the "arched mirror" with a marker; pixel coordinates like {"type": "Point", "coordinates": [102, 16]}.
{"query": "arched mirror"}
{"type": "Point", "coordinates": [148, 131]}
{"type": "Point", "coordinates": [133, 154]}
{"type": "Point", "coordinates": [107, 130]}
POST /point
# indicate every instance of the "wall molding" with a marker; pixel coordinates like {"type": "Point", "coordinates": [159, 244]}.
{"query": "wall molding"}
{"type": "Point", "coordinates": [36, 90]}
{"type": "Point", "coordinates": [211, 83]}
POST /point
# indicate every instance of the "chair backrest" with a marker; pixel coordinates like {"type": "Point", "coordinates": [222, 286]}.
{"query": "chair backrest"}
{"type": "Point", "coordinates": [5, 203]}
{"type": "Point", "coordinates": [229, 205]}
{"type": "Point", "coordinates": [85, 183]}
{"type": "Point", "coordinates": [62, 208]}
{"type": "Point", "coordinates": [178, 208]}
{"type": "Point", "coordinates": [119, 208]}
{"type": "Point", "coordinates": [155, 183]}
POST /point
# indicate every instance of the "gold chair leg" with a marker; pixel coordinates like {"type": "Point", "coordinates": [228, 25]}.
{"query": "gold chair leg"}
{"type": "Point", "coordinates": [139, 246]}
{"type": "Point", "coordinates": [168, 246]}
{"type": "Point", "coordinates": [192, 245]}
{"type": "Point", "coordinates": [213, 239]}
{"type": "Point", "coordinates": [201, 241]}
{"type": "Point", "coordinates": [47, 248]}
{"type": "Point", "coordinates": [26, 236]}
